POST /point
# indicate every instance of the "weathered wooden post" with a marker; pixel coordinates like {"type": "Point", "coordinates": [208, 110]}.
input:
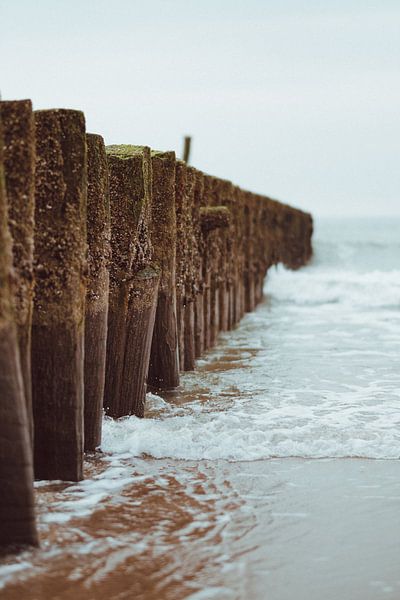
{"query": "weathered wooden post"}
{"type": "Point", "coordinates": [182, 250]}
{"type": "Point", "coordinates": [192, 268]}
{"type": "Point", "coordinates": [228, 254]}
{"type": "Point", "coordinates": [19, 167]}
{"type": "Point", "coordinates": [17, 516]}
{"type": "Point", "coordinates": [249, 251]}
{"type": "Point", "coordinates": [217, 243]}
{"type": "Point", "coordinates": [213, 219]}
{"type": "Point", "coordinates": [207, 257]}
{"type": "Point", "coordinates": [164, 361]}
{"type": "Point", "coordinates": [133, 281]}
{"type": "Point", "coordinates": [237, 303]}
{"type": "Point", "coordinates": [199, 297]}
{"type": "Point", "coordinates": [99, 255]}
{"type": "Point", "coordinates": [262, 246]}
{"type": "Point", "coordinates": [141, 307]}
{"type": "Point", "coordinates": [60, 290]}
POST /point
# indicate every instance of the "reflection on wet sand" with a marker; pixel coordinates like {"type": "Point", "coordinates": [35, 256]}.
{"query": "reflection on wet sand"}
{"type": "Point", "coordinates": [285, 527]}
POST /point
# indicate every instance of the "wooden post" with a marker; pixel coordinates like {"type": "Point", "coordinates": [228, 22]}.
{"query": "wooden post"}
{"type": "Point", "coordinates": [19, 166]}
{"type": "Point", "coordinates": [213, 220]}
{"type": "Point", "coordinates": [207, 261]}
{"type": "Point", "coordinates": [228, 255]}
{"type": "Point", "coordinates": [199, 282]}
{"type": "Point", "coordinates": [186, 148]}
{"type": "Point", "coordinates": [249, 249]}
{"type": "Point", "coordinates": [140, 326]}
{"type": "Point", "coordinates": [238, 289]}
{"type": "Point", "coordinates": [191, 273]}
{"type": "Point", "coordinates": [99, 255]}
{"type": "Point", "coordinates": [17, 517]}
{"type": "Point", "coordinates": [59, 306]}
{"type": "Point", "coordinates": [181, 254]}
{"type": "Point", "coordinates": [132, 284]}
{"type": "Point", "coordinates": [164, 361]}
{"type": "Point", "coordinates": [260, 243]}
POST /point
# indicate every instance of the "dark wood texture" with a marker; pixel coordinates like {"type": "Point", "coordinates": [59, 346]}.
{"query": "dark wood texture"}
{"type": "Point", "coordinates": [99, 255]}
{"type": "Point", "coordinates": [19, 167]}
{"type": "Point", "coordinates": [198, 266]}
{"type": "Point", "coordinates": [140, 326]}
{"type": "Point", "coordinates": [130, 316]}
{"type": "Point", "coordinates": [164, 359]}
{"type": "Point", "coordinates": [17, 515]}
{"type": "Point", "coordinates": [60, 291]}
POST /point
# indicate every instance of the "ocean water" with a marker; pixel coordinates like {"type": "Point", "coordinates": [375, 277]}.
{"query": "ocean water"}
{"type": "Point", "coordinates": [273, 472]}
{"type": "Point", "coordinates": [313, 372]}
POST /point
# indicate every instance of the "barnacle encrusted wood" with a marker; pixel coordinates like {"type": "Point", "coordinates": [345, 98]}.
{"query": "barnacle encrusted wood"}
{"type": "Point", "coordinates": [99, 255]}
{"type": "Point", "coordinates": [213, 220]}
{"type": "Point", "coordinates": [59, 305]}
{"type": "Point", "coordinates": [236, 288]}
{"type": "Point", "coordinates": [228, 253]}
{"type": "Point", "coordinates": [130, 201]}
{"type": "Point", "coordinates": [191, 273]}
{"type": "Point", "coordinates": [198, 265]}
{"type": "Point", "coordinates": [140, 325]}
{"type": "Point", "coordinates": [19, 167]}
{"type": "Point", "coordinates": [17, 518]}
{"type": "Point", "coordinates": [182, 254]}
{"type": "Point", "coordinates": [214, 217]}
{"type": "Point", "coordinates": [164, 361]}
{"type": "Point", "coordinates": [249, 250]}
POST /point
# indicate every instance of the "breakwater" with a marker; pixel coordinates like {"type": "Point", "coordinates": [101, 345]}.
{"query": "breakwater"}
{"type": "Point", "coordinates": [119, 266]}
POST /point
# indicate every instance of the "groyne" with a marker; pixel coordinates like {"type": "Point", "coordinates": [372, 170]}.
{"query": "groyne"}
{"type": "Point", "coordinates": [119, 266]}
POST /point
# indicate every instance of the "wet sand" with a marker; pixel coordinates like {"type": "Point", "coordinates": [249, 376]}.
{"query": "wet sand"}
{"type": "Point", "coordinates": [279, 528]}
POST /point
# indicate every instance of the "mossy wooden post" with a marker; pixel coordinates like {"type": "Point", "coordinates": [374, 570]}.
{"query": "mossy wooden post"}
{"type": "Point", "coordinates": [181, 254]}
{"type": "Point", "coordinates": [228, 255]}
{"type": "Point", "coordinates": [207, 264]}
{"type": "Point", "coordinates": [217, 241]}
{"type": "Point", "coordinates": [308, 233]}
{"type": "Point", "coordinates": [191, 273]}
{"type": "Point", "coordinates": [99, 253]}
{"type": "Point", "coordinates": [142, 306]}
{"type": "Point", "coordinates": [262, 248]}
{"type": "Point", "coordinates": [60, 291]}
{"type": "Point", "coordinates": [164, 362]}
{"type": "Point", "coordinates": [19, 166]}
{"type": "Point", "coordinates": [17, 516]}
{"type": "Point", "coordinates": [238, 289]}
{"type": "Point", "coordinates": [133, 284]}
{"type": "Point", "coordinates": [198, 265]}
{"type": "Point", "coordinates": [249, 250]}
{"type": "Point", "coordinates": [214, 219]}
{"type": "Point", "coordinates": [276, 233]}
{"type": "Point", "coordinates": [140, 327]}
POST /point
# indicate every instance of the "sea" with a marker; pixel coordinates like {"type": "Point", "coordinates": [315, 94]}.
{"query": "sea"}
{"type": "Point", "coordinates": [272, 473]}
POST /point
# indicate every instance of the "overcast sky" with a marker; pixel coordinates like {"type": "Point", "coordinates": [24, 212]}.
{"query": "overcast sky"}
{"type": "Point", "coordinates": [296, 99]}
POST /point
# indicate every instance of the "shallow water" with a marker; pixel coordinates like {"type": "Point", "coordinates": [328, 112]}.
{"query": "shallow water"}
{"type": "Point", "coordinates": [258, 478]}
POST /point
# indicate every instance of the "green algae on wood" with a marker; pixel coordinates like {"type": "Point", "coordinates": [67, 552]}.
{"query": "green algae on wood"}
{"type": "Point", "coordinates": [164, 361]}
{"type": "Point", "coordinates": [130, 177]}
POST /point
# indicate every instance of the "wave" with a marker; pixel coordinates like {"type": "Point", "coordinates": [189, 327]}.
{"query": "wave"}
{"type": "Point", "coordinates": [238, 435]}
{"type": "Point", "coordinates": [351, 289]}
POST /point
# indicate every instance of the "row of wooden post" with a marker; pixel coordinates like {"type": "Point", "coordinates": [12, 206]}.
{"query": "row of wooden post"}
{"type": "Point", "coordinates": [119, 266]}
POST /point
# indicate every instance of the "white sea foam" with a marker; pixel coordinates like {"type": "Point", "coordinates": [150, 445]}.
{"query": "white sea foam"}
{"type": "Point", "coordinates": [277, 433]}
{"type": "Point", "coordinates": [312, 373]}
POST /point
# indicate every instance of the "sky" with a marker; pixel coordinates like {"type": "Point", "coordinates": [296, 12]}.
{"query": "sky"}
{"type": "Point", "coordinates": [297, 100]}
